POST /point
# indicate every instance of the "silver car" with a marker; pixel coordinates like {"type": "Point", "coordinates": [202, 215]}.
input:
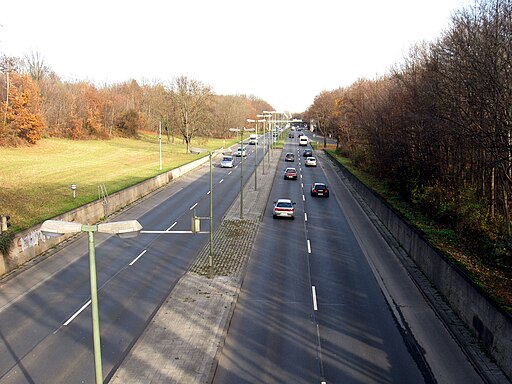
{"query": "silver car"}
{"type": "Point", "coordinates": [226, 162]}
{"type": "Point", "coordinates": [283, 208]}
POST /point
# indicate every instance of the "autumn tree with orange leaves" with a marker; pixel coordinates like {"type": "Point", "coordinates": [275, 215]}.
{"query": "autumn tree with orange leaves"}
{"type": "Point", "coordinates": [23, 121]}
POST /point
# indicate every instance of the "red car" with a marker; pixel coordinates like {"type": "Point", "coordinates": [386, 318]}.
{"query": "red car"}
{"type": "Point", "coordinates": [290, 173]}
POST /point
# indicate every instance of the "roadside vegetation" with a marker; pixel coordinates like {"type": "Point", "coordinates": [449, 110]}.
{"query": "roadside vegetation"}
{"type": "Point", "coordinates": [36, 180]}
{"type": "Point", "coordinates": [55, 133]}
{"type": "Point", "coordinates": [496, 281]}
{"type": "Point", "coordinates": [434, 137]}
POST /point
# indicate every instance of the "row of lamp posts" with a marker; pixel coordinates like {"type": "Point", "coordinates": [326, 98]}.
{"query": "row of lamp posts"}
{"type": "Point", "coordinates": [131, 228]}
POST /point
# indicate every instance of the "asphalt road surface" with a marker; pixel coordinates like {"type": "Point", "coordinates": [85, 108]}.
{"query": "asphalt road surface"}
{"type": "Point", "coordinates": [45, 314]}
{"type": "Point", "coordinates": [325, 300]}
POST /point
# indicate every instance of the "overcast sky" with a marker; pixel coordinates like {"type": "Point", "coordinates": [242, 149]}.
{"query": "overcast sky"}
{"type": "Point", "coordinates": [283, 51]}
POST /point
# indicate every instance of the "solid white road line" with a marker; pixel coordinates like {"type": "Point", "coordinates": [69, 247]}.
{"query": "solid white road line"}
{"type": "Point", "coordinates": [168, 229]}
{"type": "Point", "coordinates": [313, 290]}
{"type": "Point", "coordinates": [77, 313]}
{"type": "Point", "coordinates": [138, 257]}
{"type": "Point", "coordinates": [192, 207]}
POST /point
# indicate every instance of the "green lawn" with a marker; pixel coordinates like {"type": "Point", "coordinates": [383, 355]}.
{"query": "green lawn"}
{"type": "Point", "coordinates": [35, 182]}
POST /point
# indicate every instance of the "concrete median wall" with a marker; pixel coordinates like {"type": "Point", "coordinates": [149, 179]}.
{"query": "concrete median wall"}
{"type": "Point", "coordinates": [491, 325]}
{"type": "Point", "coordinates": [31, 243]}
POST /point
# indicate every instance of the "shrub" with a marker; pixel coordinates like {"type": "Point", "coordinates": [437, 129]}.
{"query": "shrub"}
{"type": "Point", "coordinates": [6, 240]}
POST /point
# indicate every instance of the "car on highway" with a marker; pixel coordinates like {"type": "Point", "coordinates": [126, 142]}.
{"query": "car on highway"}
{"type": "Point", "coordinates": [283, 208]}
{"type": "Point", "coordinates": [290, 173]}
{"type": "Point", "coordinates": [291, 135]}
{"type": "Point", "coordinates": [307, 153]}
{"type": "Point", "coordinates": [253, 139]}
{"type": "Point", "coordinates": [310, 161]}
{"type": "Point", "coordinates": [289, 157]}
{"type": "Point", "coordinates": [319, 189]}
{"type": "Point", "coordinates": [227, 162]}
{"type": "Point", "coordinates": [241, 151]}
{"type": "Point", "coordinates": [303, 140]}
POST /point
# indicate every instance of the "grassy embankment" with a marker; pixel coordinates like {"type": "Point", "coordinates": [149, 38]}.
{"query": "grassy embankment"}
{"type": "Point", "coordinates": [496, 282]}
{"type": "Point", "coordinates": [36, 181]}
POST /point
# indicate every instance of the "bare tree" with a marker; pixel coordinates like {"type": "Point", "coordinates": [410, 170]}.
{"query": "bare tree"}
{"type": "Point", "coordinates": [191, 103]}
{"type": "Point", "coordinates": [35, 66]}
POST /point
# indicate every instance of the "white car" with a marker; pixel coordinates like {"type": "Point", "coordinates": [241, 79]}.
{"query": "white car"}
{"type": "Point", "coordinates": [283, 208]}
{"type": "Point", "coordinates": [227, 162]}
{"type": "Point", "coordinates": [241, 151]}
{"type": "Point", "coordinates": [310, 162]}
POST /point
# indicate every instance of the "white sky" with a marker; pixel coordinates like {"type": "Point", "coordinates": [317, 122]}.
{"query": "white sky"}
{"type": "Point", "coordinates": [283, 51]}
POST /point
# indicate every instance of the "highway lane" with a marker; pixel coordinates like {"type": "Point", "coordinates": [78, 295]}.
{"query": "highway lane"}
{"type": "Point", "coordinates": [325, 301]}
{"type": "Point", "coordinates": [45, 321]}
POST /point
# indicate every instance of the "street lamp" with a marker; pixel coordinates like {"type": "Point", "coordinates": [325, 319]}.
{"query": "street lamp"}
{"type": "Point", "coordinates": [270, 114]}
{"type": "Point", "coordinates": [124, 229]}
{"type": "Point", "coordinates": [210, 256]}
{"type": "Point", "coordinates": [241, 130]}
{"type": "Point", "coordinates": [256, 159]}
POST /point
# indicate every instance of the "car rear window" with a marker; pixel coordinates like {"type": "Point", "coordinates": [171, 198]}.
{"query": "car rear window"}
{"type": "Point", "coordinates": [285, 205]}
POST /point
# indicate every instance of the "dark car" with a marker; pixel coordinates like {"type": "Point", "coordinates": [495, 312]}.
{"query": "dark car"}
{"type": "Point", "coordinates": [290, 173]}
{"type": "Point", "coordinates": [307, 153]}
{"type": "Point", "coordinates": [291, 135]}
{"type": "Point", "coordinates": [289, 157]}
{"type": "Point", "coordinates": [319, 189]}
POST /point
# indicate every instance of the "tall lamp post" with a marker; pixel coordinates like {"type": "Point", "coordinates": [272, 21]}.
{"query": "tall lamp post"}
{"type": "Point", "coordinates": [124, 229]}
{"type": "Point", "coordinates": [210, 256]}
{"type": "Point", "coordinates": [270, 114]}
{"type": "Point", "coordinates": [241, 130]}
{"type": "Point", "coordinates": [264, 120]}
{"type": "Point", "coordinates": [256, 159]}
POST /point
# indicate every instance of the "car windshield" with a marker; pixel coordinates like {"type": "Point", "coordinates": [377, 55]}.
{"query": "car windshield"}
{"type": "Point", "coordinates": [227, 158]}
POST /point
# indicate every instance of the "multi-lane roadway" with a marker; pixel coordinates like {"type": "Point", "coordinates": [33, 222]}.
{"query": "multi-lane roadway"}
{"type": "Point", "coordinates": [45, 314]}
{"type": "Point", "coordinates": [325, 300]}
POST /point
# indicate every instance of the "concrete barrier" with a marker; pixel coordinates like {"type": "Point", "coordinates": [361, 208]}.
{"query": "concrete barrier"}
{"type": "Point", "coordinates": [31, 243]}
{"type": "Point", "coordinates": [490, 323]}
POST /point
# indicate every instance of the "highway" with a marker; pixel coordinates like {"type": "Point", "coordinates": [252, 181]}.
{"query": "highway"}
{"type": "Point", "coordinates": [45, 314]}
{"type": "Point", "coordinates": [325, 300]}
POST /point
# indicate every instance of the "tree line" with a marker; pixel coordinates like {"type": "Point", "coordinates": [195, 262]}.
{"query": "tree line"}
{"type": "Point", "coordinates": [439, 127]}
{"type": "Point", "coordinates": [36, 102]}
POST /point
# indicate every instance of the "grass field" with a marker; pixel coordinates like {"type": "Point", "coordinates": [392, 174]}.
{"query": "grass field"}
{"type": "Point", "coordinates": [35, 182]}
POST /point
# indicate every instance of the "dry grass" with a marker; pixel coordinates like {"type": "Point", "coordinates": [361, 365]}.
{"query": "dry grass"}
{"type": "Point", "coordinates": [36, 181]}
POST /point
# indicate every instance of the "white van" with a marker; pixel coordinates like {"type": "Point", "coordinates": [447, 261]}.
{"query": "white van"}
{"type": "Point", "coordinates": [253, 139]}
{"type": "Point", "coordinates": [303, 140]}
